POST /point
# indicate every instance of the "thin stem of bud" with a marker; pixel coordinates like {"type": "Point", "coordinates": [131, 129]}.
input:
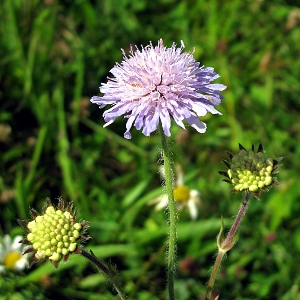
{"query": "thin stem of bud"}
{"type": "Point", "coordinates": [111, 276]}
{"type": "Point", "coordinates": [213, 275]}
{"type": "Point", "coordinates": [227, 244]}
{"type": "Point", "coordinates": [238, 220]}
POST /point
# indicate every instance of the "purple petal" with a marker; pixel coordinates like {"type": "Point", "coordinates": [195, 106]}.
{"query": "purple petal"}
{"type": "Point", "coordinates": [155, 84]}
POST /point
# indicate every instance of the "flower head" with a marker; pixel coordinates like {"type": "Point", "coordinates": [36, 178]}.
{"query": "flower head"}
{"type": "Point", "coordinates": [155, 84]}
{"type": "Point", "coordinates": [183, 195]}
{"type": "Point", "coordinates": [55, 234]}
{"type": "Point", "coordinates": [11, 254]}
{"type": "Point", "coordinates": [251, 171]}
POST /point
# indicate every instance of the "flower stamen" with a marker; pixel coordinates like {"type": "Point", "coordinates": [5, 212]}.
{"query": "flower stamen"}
{"type": "Point", "coordinates": [11, 259]}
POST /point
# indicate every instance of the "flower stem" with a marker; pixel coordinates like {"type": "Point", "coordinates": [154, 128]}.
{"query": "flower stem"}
{"type": "Point", "coordinates": [106, 271]}
{"type": "Point", "coordinates": [172, 214]}
{"type": "Point", "coordinates": [213, 275]}
{"type": "Point", "coordinates": [227, 245]}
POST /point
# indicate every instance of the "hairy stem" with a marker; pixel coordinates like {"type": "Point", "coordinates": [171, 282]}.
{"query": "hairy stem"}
{"type": "Point", "coordinates": [106, 271]}
{"type": "Point", "coordinates": [227, 245]}
{"type": "Point", "coordinates": [172, 215]}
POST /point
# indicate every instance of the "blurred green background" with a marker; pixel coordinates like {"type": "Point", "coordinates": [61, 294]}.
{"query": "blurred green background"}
{"type": "Point", "coordinates": [53, 57]}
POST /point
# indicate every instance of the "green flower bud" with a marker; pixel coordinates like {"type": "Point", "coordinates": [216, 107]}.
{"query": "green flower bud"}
{"type": "Point", "coordinates": [65, 251]}
{"type": "Point", "coordinates": [55, 234]}
{"type": "Point", "coordinates": [251, 171]}
{"type": "Point", "coordinates": [78, 226]}
{"type": "Point", "coordinates": [55, 257]}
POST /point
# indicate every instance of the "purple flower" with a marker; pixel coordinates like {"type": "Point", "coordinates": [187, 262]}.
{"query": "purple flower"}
{"type": "Point", "coordinates": [156, 83]}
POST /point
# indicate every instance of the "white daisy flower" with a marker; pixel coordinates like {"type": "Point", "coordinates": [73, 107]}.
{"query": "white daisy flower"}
{"type": "Point", "coordinates": [11, 257]}
{"type": "Point", "coordinates": [183, 195]}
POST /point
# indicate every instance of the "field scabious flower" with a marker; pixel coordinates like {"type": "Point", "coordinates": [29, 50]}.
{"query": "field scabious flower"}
{"type": "Point", "coordinates": [11, 254]}
{"type": "Point", "coordinates": [55, 234]}
{"type": "Point", "coordinates": [155, 84]}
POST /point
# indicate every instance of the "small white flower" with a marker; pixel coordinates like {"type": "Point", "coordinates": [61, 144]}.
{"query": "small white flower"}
{"type": "Point", "coordinates": [11, 257]}
{"type": "Point", "coordinates": [184, 196]}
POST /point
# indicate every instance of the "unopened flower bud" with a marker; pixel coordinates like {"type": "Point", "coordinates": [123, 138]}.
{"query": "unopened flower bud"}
{"type": "Point", "coordinates": [251, 171]}
{"type": "Point", "coordinates": [55, 234]}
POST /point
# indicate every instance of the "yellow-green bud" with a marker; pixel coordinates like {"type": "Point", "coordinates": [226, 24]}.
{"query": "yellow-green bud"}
{"type": "Point", "coordinates": [64, 251]}
{"type": "Point", "coordinates": [78, 226]}
{"type": "Point", "coordinates": [55, 256]}
{"type": "Point", "coordinates": [55, 234]}
{"type": "Point", "coordinates": [72, 247]}
{"type": "Point", "coordinates": [250, 170]}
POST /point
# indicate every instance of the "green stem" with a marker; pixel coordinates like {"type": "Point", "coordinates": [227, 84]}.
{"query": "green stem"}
{"type": "Point", "coordinates": [106, 271]}
{"type": "Point", "coordinates": [172, 214]}
{"type": "Point", "coordinates": [213, 275]}
{"type": "Point", "coordinates": [227, 245]}
{"type": "Point", "coordinates": [238, 220]}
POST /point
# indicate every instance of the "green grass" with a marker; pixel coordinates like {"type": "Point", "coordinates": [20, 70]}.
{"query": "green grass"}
{"type": "Point", "coordinates": [53, 57]}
